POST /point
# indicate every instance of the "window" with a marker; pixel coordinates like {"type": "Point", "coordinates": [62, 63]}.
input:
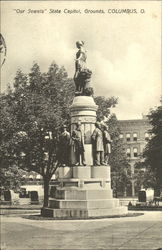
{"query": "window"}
{"type": "Point", "coordinates": [121, 136]}
{"type": "Point", "coordinates": [128, 137]}
{"type": "Point", "coordinates": [135, 152]}
{"type": "Point", "coordinates": [134, 136]}
{"type": "Point", "coordinates": [128, 152]}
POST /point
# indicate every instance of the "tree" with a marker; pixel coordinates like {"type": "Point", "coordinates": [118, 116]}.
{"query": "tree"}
{"type": "Point", "coordinates": [153, 150]}
{"type": "Point", "coordinates": [144, 176]}
{"type": "Point", "coordinates": [11, 178]}
{"type": "Point", "coordinates": [104, 105]}
{"type": "Point", "coordinates": [118, 161]}
{"type": "Point", "coordinates": [37, 108]}
{"type": "Point", "coordinates": [120, 168]}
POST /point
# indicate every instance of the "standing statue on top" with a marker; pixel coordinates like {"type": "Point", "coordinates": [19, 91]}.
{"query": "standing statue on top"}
{"type": "Point", "coordinates": [81, 57]}
{"type": "Point", "coordinates": [82, 74]}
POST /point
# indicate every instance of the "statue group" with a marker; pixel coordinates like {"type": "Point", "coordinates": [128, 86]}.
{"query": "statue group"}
{"type": "Point", "coordinates": [71, 146]}
{"type": "Point", "coordinates": [101, 143]}
{"type": "Point", "coordinates": [74, 144]}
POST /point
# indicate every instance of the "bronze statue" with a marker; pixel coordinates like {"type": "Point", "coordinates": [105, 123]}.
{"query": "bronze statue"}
{"type": "Point", "coordinates": [78, 146]}
{"type": "Point", "coordinates": [98, 147]}
{"type": "Point", "coordinates": [64, 147]}
{"type": "Point", "coordinates": [82, 74]}
{"type": "Point", "coordinates": [80, 62]}
{"type": "Point", "coordinates": [107, 144]}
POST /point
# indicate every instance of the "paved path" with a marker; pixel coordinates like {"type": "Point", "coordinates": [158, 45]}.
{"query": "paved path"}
{"type": "Point", "coordinates": [141, 232]}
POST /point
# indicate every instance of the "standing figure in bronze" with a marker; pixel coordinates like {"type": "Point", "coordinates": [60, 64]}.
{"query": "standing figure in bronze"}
{"type": "Point", "coordinates": [98, 147]}
{"type": "Point", "coordinates": [82, 76]}
{"type": "Point", "coordinates": [64, 147]}
{"type": "Point", "coordinates": [80, 62]}
{"type": "Point", "coordinates": [77, 140]}
{"type": "Point", "coordinates": [107, 143]}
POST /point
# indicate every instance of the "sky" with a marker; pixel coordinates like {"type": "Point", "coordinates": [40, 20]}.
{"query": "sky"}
{"type": "Point", "coordinates": [124, 50]}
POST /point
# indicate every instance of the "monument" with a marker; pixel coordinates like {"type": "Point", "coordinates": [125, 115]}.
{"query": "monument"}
{"type": "Point", "coordinates": [84, 189]}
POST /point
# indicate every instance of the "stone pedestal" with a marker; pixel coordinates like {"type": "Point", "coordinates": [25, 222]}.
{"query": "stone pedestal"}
{"type": "Point", "coordinates": [101, 172]}
{"type": "Point", "coordinates": [83, 191]}
{"type": "Point", "coordinates": [87, 194]}
{"type": "Point", "coordinates": [65, 172]}
{"type": "Point", "coordinates": [84, 109]}
{"type": "Point", "coordinates": [82, 172]}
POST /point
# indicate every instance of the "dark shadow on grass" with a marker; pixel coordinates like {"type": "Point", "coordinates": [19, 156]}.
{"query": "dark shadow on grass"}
{"type": "Point", "coordinates": [39, 217]}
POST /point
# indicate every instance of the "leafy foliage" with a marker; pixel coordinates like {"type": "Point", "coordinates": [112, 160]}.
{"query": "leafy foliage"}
{"type": "Point", "coordinates": [120, 166]}
{"type": "Point", "coordinates": [144, 176]}
{"type": "Point", "coordinates": [11, 178]}
{"type": "Point", "coordinates": [153, 151]}
{"type": "Point", "coordinates": [104, 105]}
{"type": "Point", "coordinates": [32, 115]}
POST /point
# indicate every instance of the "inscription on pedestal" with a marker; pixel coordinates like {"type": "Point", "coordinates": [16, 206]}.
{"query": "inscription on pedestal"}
{"type": "Point", "coordinates": [83, 119]}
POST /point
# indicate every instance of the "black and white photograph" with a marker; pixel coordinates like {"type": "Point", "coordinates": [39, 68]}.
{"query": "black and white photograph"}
{"type": "Point", "coordinates": [81, 125]}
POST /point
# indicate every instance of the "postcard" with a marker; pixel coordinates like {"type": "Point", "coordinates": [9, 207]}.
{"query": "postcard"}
{"type": "Point", "coordinates": [114, 48]}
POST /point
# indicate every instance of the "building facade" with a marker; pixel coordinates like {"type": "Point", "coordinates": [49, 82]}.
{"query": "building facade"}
{"type": "Point", "coordinates": [134, 134]}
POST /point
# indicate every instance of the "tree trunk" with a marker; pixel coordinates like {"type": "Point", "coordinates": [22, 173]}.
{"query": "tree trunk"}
{"type": "Point", "coordinates": [133, 189]}
{"type": "Point", "coordinates": [125, 191]}
{"type": "Point", "coordinates": [116, 189]}
{"type": "Point", "coordinates": [46, 192]}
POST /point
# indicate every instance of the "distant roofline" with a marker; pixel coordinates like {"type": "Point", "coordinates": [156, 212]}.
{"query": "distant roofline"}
{"type": "Point", "coordinates": [143, 118]}
{"type": "Point", "coordinates": [133, 120]}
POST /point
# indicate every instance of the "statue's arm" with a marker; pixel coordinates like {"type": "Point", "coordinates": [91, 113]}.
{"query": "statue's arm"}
{"type": "Point", "coordinates": [80, 55]}
{"type": "Point", "coordinates": [74, 136]}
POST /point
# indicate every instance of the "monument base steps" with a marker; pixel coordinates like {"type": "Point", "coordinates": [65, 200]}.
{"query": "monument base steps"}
{"type": "Point", "coordinates": [83, 213]}
{"type": "Point", "coordinates": [84, 204]}
{"type": "Point", "coordinates": [83, 194]}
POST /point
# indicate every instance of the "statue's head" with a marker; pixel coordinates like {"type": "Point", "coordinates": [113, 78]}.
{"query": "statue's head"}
{"type": "Point", "coordinates": [79, 44]}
